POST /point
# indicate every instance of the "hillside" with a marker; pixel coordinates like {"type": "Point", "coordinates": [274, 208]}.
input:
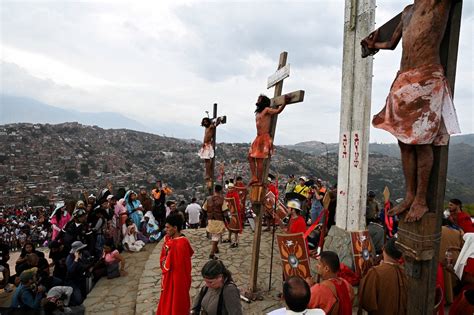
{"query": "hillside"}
{"type": "Point", "coordinates": [56, 161]}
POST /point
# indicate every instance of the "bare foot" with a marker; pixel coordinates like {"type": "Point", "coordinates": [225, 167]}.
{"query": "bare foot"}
{"type": "Point", "coordinates": [402, 207]}
{"type": "Point", "coordinates": [253, 181]}
{"type": "Point", "coordinates": [417, 210]}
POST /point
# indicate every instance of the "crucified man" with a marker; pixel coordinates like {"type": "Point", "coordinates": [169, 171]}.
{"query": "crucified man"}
{"type": "Point", "coordinates": [419, 110]}
{"type": "Point", "coordinates": [207, 151]}
{"type": "Point", "coordinates": [262, 146]}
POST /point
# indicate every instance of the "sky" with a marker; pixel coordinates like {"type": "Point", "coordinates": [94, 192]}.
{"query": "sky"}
{"type": "Point", "coordinates": [164, 63]}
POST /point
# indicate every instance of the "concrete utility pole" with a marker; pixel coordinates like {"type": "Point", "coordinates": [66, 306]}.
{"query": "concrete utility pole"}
{"type": "Point", "coordinates": [359, 20]}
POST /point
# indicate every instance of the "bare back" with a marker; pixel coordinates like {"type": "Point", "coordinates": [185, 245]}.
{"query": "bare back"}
{"type": "Point", "coordinates": [424, 25]}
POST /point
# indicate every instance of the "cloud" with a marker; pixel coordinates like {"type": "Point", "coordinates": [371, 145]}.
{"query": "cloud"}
{"type": "Point", "coordinates": [164, 63]}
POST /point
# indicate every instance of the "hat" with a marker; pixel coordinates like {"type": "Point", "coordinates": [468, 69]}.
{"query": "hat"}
{"type": "Point", "coordinates": [78, 212]}
{"type": "Point", "coordinates": [371, 194]}
{"type": "Point", "coordinates": [80, 204]}
{"type": "Point", "coordinates": [77, 246]}
{"type": "Point", "coordinates": [304, 178]}
{"type": "Point", "coordinates": [230, 185]}
{"type": "Point", "coordinates": [295, 204]}
{"type": "Point", "coordinates": [91, 196]}
{"type": "Point", "coordinates": [28, 274]}
{"type": "Point", "coordinates": [271, 177]}
{"type": "Point", "coordinates": [110, 197]}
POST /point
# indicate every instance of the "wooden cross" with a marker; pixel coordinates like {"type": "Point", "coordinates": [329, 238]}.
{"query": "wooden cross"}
{"type": "Point", "coordinates": [420, 240]}
{"type": "Point", "coordinates": [209, 184]}
{"type": "Point", "coordinates": [258, 192]}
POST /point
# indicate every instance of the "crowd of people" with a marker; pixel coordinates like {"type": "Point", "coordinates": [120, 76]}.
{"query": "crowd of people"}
{"type": "Point", "coordinates": [86, 239]}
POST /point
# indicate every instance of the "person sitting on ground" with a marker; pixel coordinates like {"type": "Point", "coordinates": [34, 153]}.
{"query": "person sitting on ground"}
{"type": "Point", "coordinates": [150, 227]}
{"type": "Point", "coordinates": [219, 295]}
{"type": "Point", "coordinates": [57, 300]}
{"type": "Point", "coordinates": [79, 265]}
{"type": "Point", "coordinates": [115, 263]}
{"type": "Point", "coordinates": [334, 295]}
{"type": "Point", "coordinates": [383, 290]}
{"type": "Point", "coordinates": [58, 255]}
{"type": "Point", "coordinates": [28, 248]}
{"type": "Point", "coordinates": [297, 294]}
{"type": "Point", "coordinates": [131, 241]}
{"type": "Point", "coordinates": [27, 295]}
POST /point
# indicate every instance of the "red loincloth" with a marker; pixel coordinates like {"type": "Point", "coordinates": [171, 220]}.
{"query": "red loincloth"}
{"type": "Point", "coordinates": [262, 147]}
{"type": "Point", "coordinates": [419, 108]}
{"type": "Point", "coordinates": [175, 263]}
{"type": "Point", "coordinates": [206, 152]}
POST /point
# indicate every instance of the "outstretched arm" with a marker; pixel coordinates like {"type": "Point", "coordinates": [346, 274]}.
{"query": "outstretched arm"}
{"type": "Point", "coordinates": [276, 111]}
{"type": "Point", "coordinates": [372, 41]}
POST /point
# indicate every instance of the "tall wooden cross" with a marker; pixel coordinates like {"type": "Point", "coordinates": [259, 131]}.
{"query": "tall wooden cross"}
{"type": "Point", "coordinates": [257, 193]}
{"type": "Point", "coordinates": [420, 240]}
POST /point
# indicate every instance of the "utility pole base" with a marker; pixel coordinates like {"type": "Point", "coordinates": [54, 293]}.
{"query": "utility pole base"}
{"type": "Point", "coordinates": [254, 296]}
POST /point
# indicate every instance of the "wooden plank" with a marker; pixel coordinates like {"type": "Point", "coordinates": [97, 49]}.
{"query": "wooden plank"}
{"type": "Point", "coordinates": [296, 97]}
{"type": "Point", "coordinates": [278, 76]}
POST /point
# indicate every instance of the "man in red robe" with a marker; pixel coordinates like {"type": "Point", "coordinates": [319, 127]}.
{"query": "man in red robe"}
{"type": "Point", "coordinates": [459, 217]}
{"type": "Point", "coordinates": [175, 263]}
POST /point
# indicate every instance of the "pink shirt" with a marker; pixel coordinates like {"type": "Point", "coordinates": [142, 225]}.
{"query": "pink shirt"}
{"type": "Point", "coordinates": [111, 257]}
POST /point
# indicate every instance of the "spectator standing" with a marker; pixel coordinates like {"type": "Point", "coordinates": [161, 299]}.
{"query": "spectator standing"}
{"type": "Point", "coordinates": [219, 295]}
{"type": "Point", "coordinates": [159, 194]}
{"type": "Point", "coordinates": [297, 294]}
{"type": "Point", "coordinates": [216, 209]}
{"type": "Point", "coordinates": [175, 264]}
{"type": "Point", "coordinates": [334, 295]}
{"type": "Point", "coordinates": [383, 290]}
{"type": "Point", "coordinates": [459, 217]}
{"type": "Point", "coordinates": [193, 211]}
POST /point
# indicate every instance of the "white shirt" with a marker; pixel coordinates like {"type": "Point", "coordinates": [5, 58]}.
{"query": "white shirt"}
{"type": "Point", "coordinates": [194, 211]}
{"type": "Point", "coordinates": [284, 311]}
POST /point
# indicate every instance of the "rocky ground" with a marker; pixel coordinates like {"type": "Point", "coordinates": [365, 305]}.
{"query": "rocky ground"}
{"type": "Point", "coordinates": [138, 293]}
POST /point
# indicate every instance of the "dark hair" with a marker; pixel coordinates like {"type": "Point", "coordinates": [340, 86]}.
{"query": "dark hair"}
{"type": "Point", "coordinates": [175, 219]}
{"type": "Point", "coordinates": [297, 293]}
{"type": "Point", "coordinates": [205, 120]}
{"type": "Point", "coordinates": [170, 202]}
{"type": "Point", "coordinates": [110, 243]}
{"type": "Point", "coordinates": [392, 250]}
{"type": "Point", "coordinates": [23, 250]}
{"type": "Point", "coordinates": [213, 268]}
{"type": "Point", "coordinates": [331, 260]}
{"type": "Point", "coordinates": [218, 188]}
{"type": "Point", "coordinates": [457, 202]}
{"type": "Point", "coordinates": [193, 200]}
{"type": "Point", "coordinates": [263, 102]}
{"type": "Point", "coordinates": [239, 178]}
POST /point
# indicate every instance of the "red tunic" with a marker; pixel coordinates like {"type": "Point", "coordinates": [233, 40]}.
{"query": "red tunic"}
{"type": "Point", "coordinates": [464, 222]}
{"type": "Point", "coordinates": [175, 263]}
{"type": "Point", "coordinates": [296, 225]}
